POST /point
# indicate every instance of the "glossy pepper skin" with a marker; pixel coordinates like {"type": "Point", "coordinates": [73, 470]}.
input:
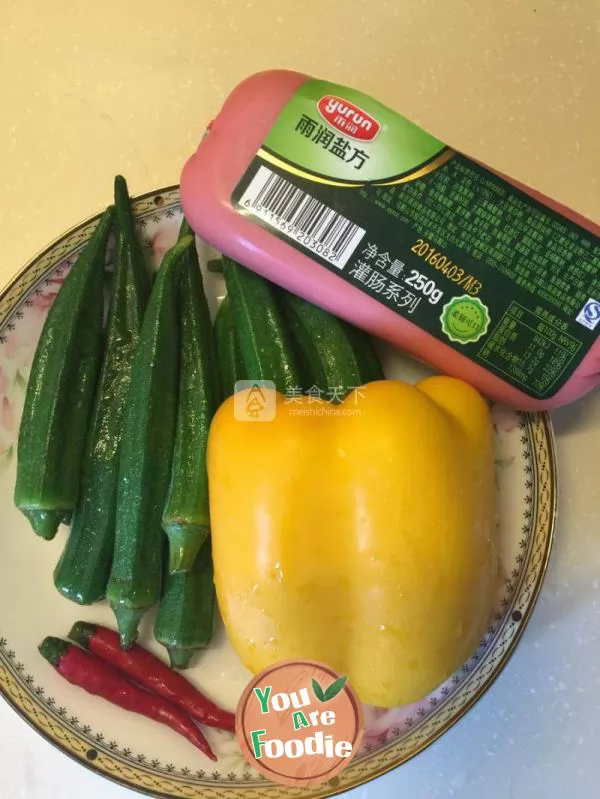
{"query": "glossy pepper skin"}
{"type": "Point", "coordinates": [362, 537]}
{"type": "Point", "coordinates": [98, 678]}
{"type": "Point", "coordinates": [151, 673]}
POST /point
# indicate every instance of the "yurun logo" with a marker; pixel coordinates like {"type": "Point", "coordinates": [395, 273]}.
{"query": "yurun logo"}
{"type": "Point", "coordinates": [348, 118]}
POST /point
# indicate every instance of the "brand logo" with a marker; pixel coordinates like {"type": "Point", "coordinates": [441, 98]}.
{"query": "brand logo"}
{"type": "Point", "coordinates": [589, 316]}
{"type": "Point", "coordinates": [254, 401]}
{"type": "Point", "coordinates": [348, 118]}
{"type": "Point", "coordinates": [299, 723]}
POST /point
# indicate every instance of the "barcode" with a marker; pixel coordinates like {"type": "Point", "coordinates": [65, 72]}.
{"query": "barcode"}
{"type": "Point", "coordinates": [302, 217]}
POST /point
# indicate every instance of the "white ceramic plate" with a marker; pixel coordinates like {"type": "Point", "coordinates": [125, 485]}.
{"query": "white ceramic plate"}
{"type": "Point", "coordinates": [143, 755]}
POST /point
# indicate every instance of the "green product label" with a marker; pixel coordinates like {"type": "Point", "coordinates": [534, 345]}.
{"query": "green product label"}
{"type": "Point", "coordinates": [343, 135]}
{"type": "Point", "coordinates": [428, 233]}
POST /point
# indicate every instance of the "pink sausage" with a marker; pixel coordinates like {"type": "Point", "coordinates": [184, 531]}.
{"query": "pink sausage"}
{"type": "Point", "coordinates": [211, 175]}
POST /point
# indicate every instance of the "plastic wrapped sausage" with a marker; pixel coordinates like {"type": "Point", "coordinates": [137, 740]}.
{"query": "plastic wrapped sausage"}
{"type": "Point", "coordinates": [339, 199]}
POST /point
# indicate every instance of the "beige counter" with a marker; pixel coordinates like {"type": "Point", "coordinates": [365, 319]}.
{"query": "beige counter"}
{"type": "Point", "coordinates": [100, 87]}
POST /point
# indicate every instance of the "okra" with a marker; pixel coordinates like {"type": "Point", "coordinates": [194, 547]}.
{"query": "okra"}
{"type": "Point", "coordinates": [83, 570]}
{"type": "Point", "coordinates": [146, 453]}
{"type": "Point", "coordinates": [60, 392]}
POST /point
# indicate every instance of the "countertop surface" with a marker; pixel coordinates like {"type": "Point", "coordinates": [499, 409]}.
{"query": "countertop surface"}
{"type": "Point", "coordinates": [100, 88]}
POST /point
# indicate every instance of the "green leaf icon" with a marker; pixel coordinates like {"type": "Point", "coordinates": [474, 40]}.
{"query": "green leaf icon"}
{"type": "Point", "coordinates": [335, 688]}
{"type": "Point", "coordinates": [318, 691]}
{"type": "Point", "coordinates": [331, 692]}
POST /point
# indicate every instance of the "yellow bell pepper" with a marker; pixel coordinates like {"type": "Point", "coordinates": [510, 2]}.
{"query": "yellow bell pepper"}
{"type": "Point", "coordinates": [360, 535]}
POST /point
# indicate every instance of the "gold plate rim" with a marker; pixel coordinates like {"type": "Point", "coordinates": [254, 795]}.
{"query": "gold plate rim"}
{"type": "Point", "coordinates": [540, 430]}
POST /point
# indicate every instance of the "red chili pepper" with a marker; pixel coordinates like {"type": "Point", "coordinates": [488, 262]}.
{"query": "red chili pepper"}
{"type": "Point", "coordinates": [146, 669]}
{"type": "Point", "coordinates": [96, 677]}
